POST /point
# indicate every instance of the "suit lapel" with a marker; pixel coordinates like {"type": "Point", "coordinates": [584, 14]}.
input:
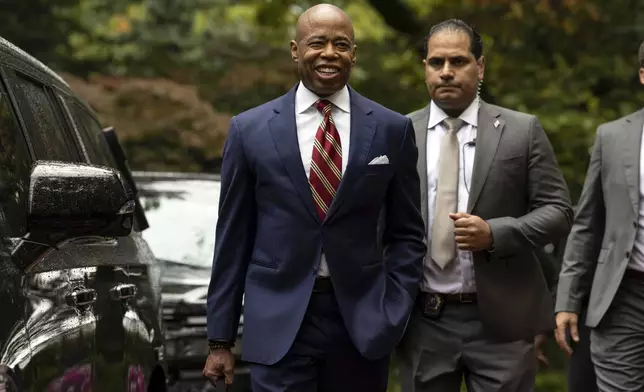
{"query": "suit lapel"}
{"type": "Point", "coordinates": [363, 129]}
{"type": "Point", "coordinates": [631, 146]}
{"type": "Point", "coordinates": [490, 128]}
{"type": "Point", "coordinates": [420, 128]}
{"type": "Point", "coordinates": [283, 129]}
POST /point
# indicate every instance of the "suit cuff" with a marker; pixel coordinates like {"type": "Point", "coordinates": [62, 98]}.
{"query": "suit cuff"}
{"type": "Point", "coordinates": [568, 300]}
{"type": "Point", "coordinates": [503, 233]}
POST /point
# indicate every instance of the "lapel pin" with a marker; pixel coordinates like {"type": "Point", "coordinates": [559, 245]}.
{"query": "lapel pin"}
{"type": "Point", "coordinates": [496, 124]}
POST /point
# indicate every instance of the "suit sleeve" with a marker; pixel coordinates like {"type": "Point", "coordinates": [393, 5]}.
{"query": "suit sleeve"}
{"type": "Point", "coordinates": [585, 239]}
{"type": "Point", "coordinates": [404, 234]}
{"type": "Point", "coordinates": [235, 234]}
{"type": "Point", "coordinates": [550, 215]}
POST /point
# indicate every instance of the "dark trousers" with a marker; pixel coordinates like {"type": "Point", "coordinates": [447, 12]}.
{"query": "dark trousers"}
{"type": "Point", "coordinates": [581, 372]}
{"type": "Point", "coordinates": [617, 343]}
{"type": "Point", "coordinates": [437, 355]}
{"type": "Point", "coordinates": [322, 358]}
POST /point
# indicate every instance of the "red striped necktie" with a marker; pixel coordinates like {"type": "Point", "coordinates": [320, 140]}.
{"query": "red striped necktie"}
{"type": "Point", "coordinates": [326, 163]}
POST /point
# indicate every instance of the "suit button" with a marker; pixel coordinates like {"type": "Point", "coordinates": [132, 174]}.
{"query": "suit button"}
{"type": "Point", "coordinates": [628, 255]}
{"type": "Point", "coordinates": [635, 225]}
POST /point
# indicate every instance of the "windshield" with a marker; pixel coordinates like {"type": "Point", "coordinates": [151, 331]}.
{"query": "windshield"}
{"type": "Point", "coordinates": [182, 216]}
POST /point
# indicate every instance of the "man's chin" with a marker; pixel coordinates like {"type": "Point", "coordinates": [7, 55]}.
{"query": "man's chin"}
{"type": "Point", "coordinates": [325, 89]}
{"type": "Point", "coordinates": [451, 102]}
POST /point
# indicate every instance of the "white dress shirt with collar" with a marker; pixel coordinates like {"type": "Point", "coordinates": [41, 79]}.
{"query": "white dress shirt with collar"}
{"type": "Point", "coordinates": [308, 119]}
{"type": "Point", "coordinates": [458, 275]}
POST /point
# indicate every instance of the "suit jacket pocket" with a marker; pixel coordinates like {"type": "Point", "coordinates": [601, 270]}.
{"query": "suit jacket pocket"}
{"type": "Point", "coordinates": [508, 156]}
{"type": "Point", "coordinates": [378, 170]}
{"type": "Point", "coordinates": [265, 264]}
{"type": "Point", "coordinates": [603, 254]}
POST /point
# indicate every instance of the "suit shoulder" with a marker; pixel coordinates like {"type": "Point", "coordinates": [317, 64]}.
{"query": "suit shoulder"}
{"type": "Point", "coordinates": [384, 112]}
{"type": "Point", "coordinates": [618, 124]}
{"type": "Point", "coordinates": [514, 114]}
{"type": "Point", "coordinates": [258, 111]}
{"type": "Point", "coordinates": [418, 114]}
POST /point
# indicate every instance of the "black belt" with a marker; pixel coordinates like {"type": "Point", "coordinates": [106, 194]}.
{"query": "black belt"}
{"type": "Point", "coordinates": [322, 285]}
{"type": "Point", "coordinates": [431, 304]}
{"type": "Point", "coordinates": [634, 274]}
{"type": "Point", "coordinates": [456, 298]}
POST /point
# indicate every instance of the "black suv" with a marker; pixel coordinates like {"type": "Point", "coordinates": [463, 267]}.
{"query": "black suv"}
{"type": "Point", "coordinates": [79, 291]}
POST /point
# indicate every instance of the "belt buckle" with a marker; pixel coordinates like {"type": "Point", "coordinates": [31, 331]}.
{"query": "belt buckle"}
{"type": "Point", "coordinates": [462, 298]}
{"type": "Point", "coordinates": [434, 302]}
{"type": "Point", "coordinates": [433, 305]}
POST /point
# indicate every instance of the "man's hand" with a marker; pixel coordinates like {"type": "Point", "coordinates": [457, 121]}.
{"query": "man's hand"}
{"type": "Point", "coordinates": [539, 341]}
{"type": "Point", "coordinates": [566, 320]}
{"type": "Point", "coordinates": [220, 363]}
{"type": "Point", "coordinates": [472, 233]}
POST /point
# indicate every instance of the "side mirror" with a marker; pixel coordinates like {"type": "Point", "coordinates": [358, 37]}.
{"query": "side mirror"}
{"type": "Point", "coordinates": [75, 199]}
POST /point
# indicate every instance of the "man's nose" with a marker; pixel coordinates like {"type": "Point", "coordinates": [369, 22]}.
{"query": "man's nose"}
{"type": "Point", "coordinates": [446, 71]}
{"type": "Point", "coordinates": [329, 50]}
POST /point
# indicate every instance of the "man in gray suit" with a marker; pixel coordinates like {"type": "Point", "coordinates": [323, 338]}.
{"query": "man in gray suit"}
{"type": "Point", "coordinates": [605, 256]}
{"type": "Point", "coordinates": [492, 194]}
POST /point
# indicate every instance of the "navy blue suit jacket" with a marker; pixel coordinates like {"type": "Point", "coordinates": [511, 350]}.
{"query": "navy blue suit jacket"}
{"type": "Point", "coordinates": [269, 237]}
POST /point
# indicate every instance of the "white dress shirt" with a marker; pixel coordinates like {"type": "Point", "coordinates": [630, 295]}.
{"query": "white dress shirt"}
{"type": "Point", "coordinates": [637, 259]}
{"type": "Point", "coordinates": [308, 119]}
{"type": "Point", "coordinates": [458, 275]}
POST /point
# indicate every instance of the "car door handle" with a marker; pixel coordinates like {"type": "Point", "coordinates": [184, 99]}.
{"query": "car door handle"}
{"type": "Point", "coordinates": [123, 291]}
{"type": "Point", "coordinates": [81, 297]}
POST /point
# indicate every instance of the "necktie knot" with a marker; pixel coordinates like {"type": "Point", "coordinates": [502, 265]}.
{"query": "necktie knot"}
{"type": "Point", "coordinates": [453, 124]}
{"type": "Point", "coordinates": [323, 105]}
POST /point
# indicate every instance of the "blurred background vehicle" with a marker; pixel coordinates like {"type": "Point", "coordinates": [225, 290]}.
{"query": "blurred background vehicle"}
{"type": "Point", "coordinates": [182, 211]}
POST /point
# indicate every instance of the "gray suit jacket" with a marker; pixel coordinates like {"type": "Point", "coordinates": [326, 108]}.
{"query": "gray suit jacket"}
{"type": "Point", "coordinates": [602, 237]}
{"type": "Point", "coordinates": [518, 189]}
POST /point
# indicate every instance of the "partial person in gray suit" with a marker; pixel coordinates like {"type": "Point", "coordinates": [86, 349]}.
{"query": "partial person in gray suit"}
{"type": "Point", "coordinates": [492, 194]}
{"type": "Point", "coordinates": [605, 256]}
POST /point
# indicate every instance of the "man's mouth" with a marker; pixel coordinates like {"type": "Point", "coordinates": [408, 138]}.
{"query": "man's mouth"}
{"type": "Point", "coordinates": [327, 71]}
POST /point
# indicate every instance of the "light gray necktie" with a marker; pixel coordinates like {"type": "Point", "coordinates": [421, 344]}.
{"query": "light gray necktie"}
{"type": "Point", "coordinates": [443, 243]}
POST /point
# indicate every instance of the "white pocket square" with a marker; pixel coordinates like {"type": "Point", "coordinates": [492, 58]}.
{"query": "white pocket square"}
{"type": "Point", "coordinates": [381, 160]}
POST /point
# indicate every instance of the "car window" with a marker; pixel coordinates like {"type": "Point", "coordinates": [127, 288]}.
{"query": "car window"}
{"type": "Point", "coordinates": [91, 134]}
{"type": "Point", "coordinates": [49, 138]}
{"type": "Point", "coordinates": [182, 216]}
{"type": "Point", "coordinates": [15, 166]}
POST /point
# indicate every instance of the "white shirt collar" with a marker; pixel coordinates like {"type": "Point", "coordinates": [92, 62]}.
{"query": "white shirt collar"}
{"type": "Point", "coordinates": [469, 115]}
{"type": "Point", "coordinates": [305, 98]}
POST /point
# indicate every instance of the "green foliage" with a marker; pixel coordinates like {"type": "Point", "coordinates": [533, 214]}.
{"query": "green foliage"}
{"type": "Point", "coordinates": [574, 64]}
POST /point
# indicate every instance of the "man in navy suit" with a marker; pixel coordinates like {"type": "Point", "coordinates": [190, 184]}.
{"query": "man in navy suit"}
{"type": "Point", "coordinates": [319, 226]}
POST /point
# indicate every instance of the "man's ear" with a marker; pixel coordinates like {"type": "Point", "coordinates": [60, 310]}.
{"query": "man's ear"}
{"type": "Point", "coordinates": [353, 56]}
{"type": "Point", "coordinates": [481, 65]}
{"type": "Point", "coordinates": [294, 51]}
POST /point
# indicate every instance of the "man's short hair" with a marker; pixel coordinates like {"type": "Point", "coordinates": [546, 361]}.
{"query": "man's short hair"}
{"type": "Point", "coordinates": [476, 43]}
{"type": "Point", "coordinates": [640, 55]}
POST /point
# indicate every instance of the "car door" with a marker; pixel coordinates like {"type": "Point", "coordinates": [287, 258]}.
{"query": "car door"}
{"type": "Point", "coordinates": [15, 163]}
{"type": "Point", "coordinates": [60, 319]}
{"type": "Point", "coordinates": [129, 336]}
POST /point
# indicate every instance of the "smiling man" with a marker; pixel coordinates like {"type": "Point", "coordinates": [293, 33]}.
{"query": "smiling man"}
{"type": "Point", "coordinates": [319, 226]}
{"type": "Point", "coordinates": [492, 197]}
